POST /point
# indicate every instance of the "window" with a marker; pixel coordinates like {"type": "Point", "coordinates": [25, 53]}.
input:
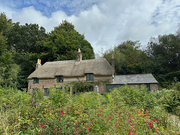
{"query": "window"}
{"type": "Point", "coordinates": [90, 89]}
{"type": "Point", "coordinates": [148, 87]}
{"type": "Point", "coordinates": [36, 80]}
{"type": "Point", "coordinates": [46, 92]}
{"type": "Point", "coordinates": [60, 79]}
{"type": "Point", "coordinates": [89, 77]}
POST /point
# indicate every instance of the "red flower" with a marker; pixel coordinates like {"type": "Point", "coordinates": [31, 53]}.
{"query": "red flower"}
{"type": "Point", "coordinates": [129, 132]}
{"type": "Point", "coordinates": [62, 113]}
{"type": "Point", "coordinates": [151, 126]}
{"type": "Point", "coordinates": [43, 126]}
{"type": "Point", "coordinates": [119, 115]}
{"type": "Point", "coordinates": [116, 123]}
{"type": "Point", "coordinates": [83, 123]}
{"type": "Point", "coordinates": [54, 129]}
{"type": "Point", "coordinates": [75, 133]}
{"type": "Point", "coordinates": [156, 129]}
{"type": "Point", "coordinates": [146, 111]}
{"type": "Point", "coordinates": [135, 133]}
{"type": "Point", "coordinates": [123, 116]}
{"type": "Point", "coordinates": [110, 118]}
{"type": "Point", "coordinates": [88, 128]}
{"type": "Point", "coordinates": [98, 114]}
{"type": "Point", "coordinates": [128, 121]}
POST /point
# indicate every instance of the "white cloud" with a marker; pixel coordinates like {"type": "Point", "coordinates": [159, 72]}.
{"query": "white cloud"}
{"type": "Point", "coordinates": [107, 23]}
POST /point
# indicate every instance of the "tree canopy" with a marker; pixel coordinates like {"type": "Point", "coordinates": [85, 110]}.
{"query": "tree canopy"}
{"type": "Point", "coordinates": [22, 45]}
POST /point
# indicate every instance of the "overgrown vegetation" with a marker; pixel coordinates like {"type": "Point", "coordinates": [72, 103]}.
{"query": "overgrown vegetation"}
{"type": "Point", "coordinates": [122, 111]}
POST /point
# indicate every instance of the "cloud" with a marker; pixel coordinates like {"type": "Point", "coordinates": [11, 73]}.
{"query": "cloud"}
{"type": "Point", "coordinates": [105, 24]}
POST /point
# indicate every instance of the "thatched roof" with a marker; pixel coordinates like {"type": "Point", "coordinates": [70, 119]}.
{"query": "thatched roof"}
{"type": "Point", "coordinates": [134, 79]}
{"type": "Point", "coordinates": [71, 68]}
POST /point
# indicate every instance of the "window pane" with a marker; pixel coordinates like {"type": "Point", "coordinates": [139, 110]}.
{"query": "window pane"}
{"type": "Point", "coordinates": [46, 92]}
{"type": "Point", "coordinates": [89, 77]}
{"type": "Point", "coordinates": [60, 79]}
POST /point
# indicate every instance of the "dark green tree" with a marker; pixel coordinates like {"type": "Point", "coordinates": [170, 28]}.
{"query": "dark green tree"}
{"type": "Point", "coordinates": [8, 69]}
{"type": "Point", "coordinates": [129, 58]}
{"type": "Point", "coordinates": [24, 40]}
{"type": "Point", "coordinates": [62, 44]}
{"type": "Point", "coordinates": [164, 54]}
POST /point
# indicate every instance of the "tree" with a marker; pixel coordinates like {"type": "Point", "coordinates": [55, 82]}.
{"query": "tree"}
{"type": "Point", "coordinates": [62, 44]}
{"type": "Point", "coordinates": [8, 69]}
{"type": "Point", "coordinates": [164, 53]}
{"type": "Point", "coordinates": [129, 59]}
{"type": "Point", "coordinates": [22, 41]}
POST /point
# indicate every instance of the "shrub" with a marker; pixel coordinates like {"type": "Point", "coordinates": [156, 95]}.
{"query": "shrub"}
{"type": "Point", "coordinates": [133, 96]}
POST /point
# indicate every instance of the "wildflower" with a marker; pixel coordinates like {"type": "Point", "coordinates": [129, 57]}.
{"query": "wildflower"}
{"type": "Point", "coordinates": [156, 129]}
{"type": "Point", "coordinates": [43, 126]}
{"type": "Point", "coordinates": [54, 129]}
{"type": "Point", "coordinates": [83, 123]}
{"type": "Point", "coordinates": [132, 127]}
{"type": "Point", "coordinates": [98, 114]}
{"type": "Point", "coordinates": [128, 121]}
{"type": "Point", "coordinates": [123, 116]}
{"type": "Point", "coordinates": [119, 115]}
{"type": "Point", "coordinates": [62, 113]}
{"type": "Point", "coordinates": [135, 133]}
{"type": "Point", "coordinates": [75, 133]}
{"type": "Point", "coordinates": [116, 123]}
{"type": "Point", "coordinates": [129, 132]}
{"type": "Point", "coordinates": [88, 128]}
{"type": "Point", "coordinates": [151, 126]}
{"type": "Point", "coordinates": [110, 118]}
{"type": "Point", "coordinates": [146, 111]}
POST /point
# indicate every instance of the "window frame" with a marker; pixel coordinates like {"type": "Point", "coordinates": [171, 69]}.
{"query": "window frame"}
{"type": "Point", "coordinates": [46, 92]}
{"type": "Point", "coordinates": [35, 80]}
{"type": "Point", "coordinates": [90, 77]}
{"type": "Point", "coordinates": [60, 79]}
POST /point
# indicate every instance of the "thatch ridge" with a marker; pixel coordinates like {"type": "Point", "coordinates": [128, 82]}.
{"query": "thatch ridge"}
{"type": "Point", "coordinates": [72, 68]}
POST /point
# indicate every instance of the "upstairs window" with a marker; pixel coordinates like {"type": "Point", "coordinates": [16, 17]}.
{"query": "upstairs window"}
{"type": "Point", "coordinates": [36, 80]}
{"type": "Point", "coordinates": [60, 79]}
{"type": "Point", "coordinates": [90, 77]}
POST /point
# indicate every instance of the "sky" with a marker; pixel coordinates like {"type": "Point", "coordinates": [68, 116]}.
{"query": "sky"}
{"type": "Point", "coordinates": [104, 23]}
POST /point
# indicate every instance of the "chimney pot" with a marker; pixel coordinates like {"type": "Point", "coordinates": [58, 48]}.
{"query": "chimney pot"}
{"type": "Point", "coordinates": [79, 55]}
{"type": "Point", "coordinates": [38, 64]}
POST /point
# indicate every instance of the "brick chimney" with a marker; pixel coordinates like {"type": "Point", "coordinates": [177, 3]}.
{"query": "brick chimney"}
{"type": "Point", "coordinates": [112, 61]}
{"type": "Point", "coordinates": [38, 64]}
{"type": "Point", "coordinates": [79, 55]}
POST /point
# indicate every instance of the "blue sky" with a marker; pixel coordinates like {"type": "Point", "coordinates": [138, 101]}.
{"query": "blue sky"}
{"type": "Point", "coordinates": [105, 23]}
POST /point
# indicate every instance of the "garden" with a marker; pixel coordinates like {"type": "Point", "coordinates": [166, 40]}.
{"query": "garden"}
{"type": "Point", "coordinates": [125, 110]}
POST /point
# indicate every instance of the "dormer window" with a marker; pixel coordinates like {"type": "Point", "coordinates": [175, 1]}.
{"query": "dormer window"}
{"type": "Point", "coordinates": [60, 79]}
{"type": "Point", "coordinates": [90, 77]}
{"type": "Point", "coordinates": [36, 80]}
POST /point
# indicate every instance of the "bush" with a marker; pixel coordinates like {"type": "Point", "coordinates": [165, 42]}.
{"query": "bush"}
{"type": "Point", "coordinates": [133, 96]}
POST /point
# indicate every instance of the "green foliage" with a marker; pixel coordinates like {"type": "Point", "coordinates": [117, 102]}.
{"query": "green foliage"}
{"type": "Point", "coordinates": [58, 97]}
{"type": "Point", "coordinates": [86, 113]}
{"type": "Point", "coordinates": [62, 44]}
{"type": "Point", "coordinates": [133, 96]}
{"type": "Point", "coordinates": [171, 100]}
{"type": "Point", "coordinates": [164, 55]}
{"type": "Point", "coordinates": [81, 86]}
{"type": "Point", "coordinates": [129, 58]}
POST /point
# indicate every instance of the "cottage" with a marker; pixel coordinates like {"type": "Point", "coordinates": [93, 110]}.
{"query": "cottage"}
{"type": "Point", "coordinates": [60, 73]}
{"type": "Point", "coordinates": [134, 80]}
